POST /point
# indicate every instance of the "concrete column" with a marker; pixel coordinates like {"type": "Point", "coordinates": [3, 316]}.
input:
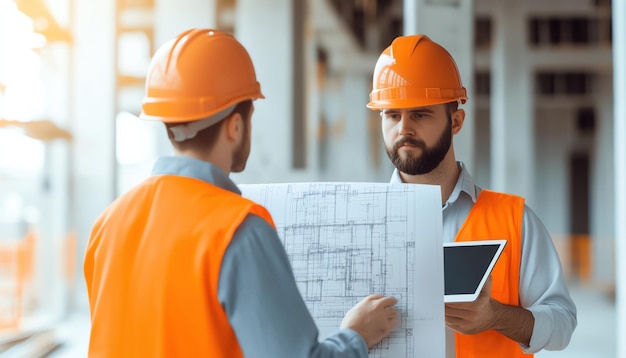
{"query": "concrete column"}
{"type": "Point", "coordinates": [51, 186]}
{"type": "Point", "coordinates": [50, 292]}
{"type": "Point", "coordinates": [619, 88]}
{"type": "Point", "coordinates": [602, 198]}
{"type": "Point", "coordinates": [93, 92]}
{"type": "Point", "coordinates": [173, 17]}
{"type": "Point", "coordinates": [315, 77]}
{"type": "Point", "coordinates": [349, 152]}
{"type": "Point", "coordinates": [269, 32]}
{"type": "Point", "coordinates": [451, 24]}
{"type": "Point", "coordinates": [555, 130]}
{"type": "Point", "coordinates": [512, 104]}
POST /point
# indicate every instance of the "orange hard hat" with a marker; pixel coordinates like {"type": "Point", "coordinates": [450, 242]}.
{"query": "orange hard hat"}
{"type": "Point", "coordinates": [197, 75]}
{"type": "Point", "coordinates": [415, 72]}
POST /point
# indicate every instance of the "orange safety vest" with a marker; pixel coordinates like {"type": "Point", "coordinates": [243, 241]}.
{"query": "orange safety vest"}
{"type": "Point", "coordinates": [152, 268]}
{"type": "Point", "coordinates": [496, 216]}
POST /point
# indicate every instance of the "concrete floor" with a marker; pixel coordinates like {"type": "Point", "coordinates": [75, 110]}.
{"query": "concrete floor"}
{"type": "Point", "coordinates": [594, 336]}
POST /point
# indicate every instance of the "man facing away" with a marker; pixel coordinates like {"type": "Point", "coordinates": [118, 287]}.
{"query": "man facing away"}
{"type": "Point", "coordinates": [526, 306]}
{"type": "Point", "coordinates": [182, 265]}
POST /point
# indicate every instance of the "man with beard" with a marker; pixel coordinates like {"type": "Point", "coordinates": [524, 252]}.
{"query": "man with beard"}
{"type": "Point", "coordinates": [182, 265]}
{"type": "Point", "coordinates": [525, 306]}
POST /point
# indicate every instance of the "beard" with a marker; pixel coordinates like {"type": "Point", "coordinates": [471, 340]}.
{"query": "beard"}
{"type": "Point", "coordinates": [240, 158]}
{"type": "Point", "coordinates": [428, 160]}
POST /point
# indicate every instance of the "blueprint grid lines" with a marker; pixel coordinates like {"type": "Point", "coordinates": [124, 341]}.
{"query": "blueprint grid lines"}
{"type": "Point", "coordinates": [348, 240]}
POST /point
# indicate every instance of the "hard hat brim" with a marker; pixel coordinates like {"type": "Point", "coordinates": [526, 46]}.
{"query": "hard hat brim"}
{"type": "Point", "coordinates": [177, 110]}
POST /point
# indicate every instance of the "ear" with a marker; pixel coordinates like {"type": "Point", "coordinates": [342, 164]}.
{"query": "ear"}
{"type": "Point", "coordinates": [458, 117]}
{"type": "Point", "coordinates": [234, 127]}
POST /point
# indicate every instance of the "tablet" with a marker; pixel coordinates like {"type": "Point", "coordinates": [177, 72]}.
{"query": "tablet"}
{"type": "Point", "coordinates": [467, 266]}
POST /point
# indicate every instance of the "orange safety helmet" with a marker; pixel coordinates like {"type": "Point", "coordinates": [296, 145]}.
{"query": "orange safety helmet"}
{"type": "Point", "coordinates": [196, 75]}
{"type": "Point", "coordinates": [415, 72]}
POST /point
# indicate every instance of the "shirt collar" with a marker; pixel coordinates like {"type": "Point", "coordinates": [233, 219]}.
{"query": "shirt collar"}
{"type": "Point", "coordinates": [194, 168]}
{"type": "Point", "coordinates": [465, 184]}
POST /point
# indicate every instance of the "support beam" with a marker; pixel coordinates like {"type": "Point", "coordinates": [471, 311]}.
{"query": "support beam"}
{"type": "Point", "coordinates": [451, 24]}
{"type": "Point", "coordinates": [619, 88]}
{"type": "Point", "coordinates": [601, 197]}
{"type": "Point", "coordinates": [174, 17]}
{"type": "Point", "coordinates": [281, 114]}
{"type": "Point", "coordinates": [512, 104]}
{"type": "Point", "coordinates": [93, 164]}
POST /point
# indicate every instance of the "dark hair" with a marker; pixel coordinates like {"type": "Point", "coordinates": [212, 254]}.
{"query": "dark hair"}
{"type": "Point", "coordinates": [452, 107]}
{"type": "Point", "coordinates": [206, 138]}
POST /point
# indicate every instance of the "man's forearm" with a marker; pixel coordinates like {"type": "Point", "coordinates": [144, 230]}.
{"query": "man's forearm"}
{"type": "Point", "coordinates": [514, 322]}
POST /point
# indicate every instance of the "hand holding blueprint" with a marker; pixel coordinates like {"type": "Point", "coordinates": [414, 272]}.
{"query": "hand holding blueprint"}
{"type": "Point", "coordinates": [348, 240]}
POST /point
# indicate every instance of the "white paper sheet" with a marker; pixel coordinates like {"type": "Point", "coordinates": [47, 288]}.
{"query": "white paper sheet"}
{"type": "Point", "coordinates": [348, 240]}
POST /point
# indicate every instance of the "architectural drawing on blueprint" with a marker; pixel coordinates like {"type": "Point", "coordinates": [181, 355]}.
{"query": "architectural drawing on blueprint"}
{"type": "Point", "coordinates": [348, 240]}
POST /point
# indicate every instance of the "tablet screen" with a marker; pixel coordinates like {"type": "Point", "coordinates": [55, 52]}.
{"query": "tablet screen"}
{"type": "Point", "coordinates": [468, 264]}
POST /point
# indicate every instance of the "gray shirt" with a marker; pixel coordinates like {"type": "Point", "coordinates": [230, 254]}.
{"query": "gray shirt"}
{"type": "Point", "coordinates": [257, 288]}
{"type": "Point", "coordinates": [542, 286]}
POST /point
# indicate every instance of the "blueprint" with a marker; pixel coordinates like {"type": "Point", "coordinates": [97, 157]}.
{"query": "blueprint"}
{"type": "Point", "coordinates": [348, 240]}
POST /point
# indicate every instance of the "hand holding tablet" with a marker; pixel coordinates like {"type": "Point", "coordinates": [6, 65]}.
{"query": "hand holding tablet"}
{"type": "Point", "coordinates": [467, 266]}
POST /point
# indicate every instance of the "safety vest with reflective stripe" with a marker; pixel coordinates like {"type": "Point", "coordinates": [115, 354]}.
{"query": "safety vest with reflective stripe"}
{"type": "Point", "coordinates": [152, 268]}
{"type": "Point", "coordinates": [496, 216]}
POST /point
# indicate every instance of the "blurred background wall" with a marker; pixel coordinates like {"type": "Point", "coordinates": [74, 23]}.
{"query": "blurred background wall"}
{"type": "Point", "coordinates": [542, 119]}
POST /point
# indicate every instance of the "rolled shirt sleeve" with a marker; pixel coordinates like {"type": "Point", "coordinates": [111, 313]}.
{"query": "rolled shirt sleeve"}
{"type": "Point", "coordinates": [264, 307]}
